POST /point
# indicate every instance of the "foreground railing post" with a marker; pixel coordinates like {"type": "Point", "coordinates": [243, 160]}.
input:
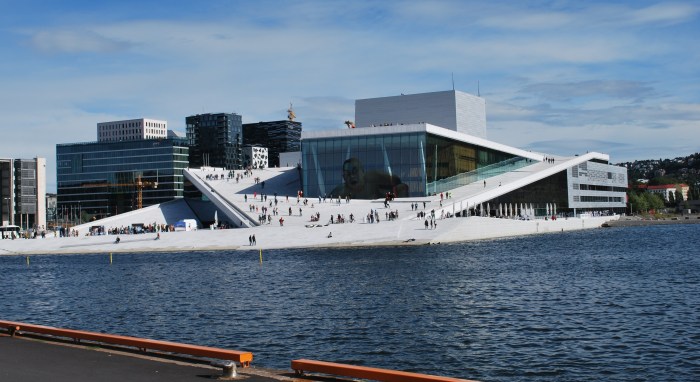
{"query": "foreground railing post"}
{"type": "Point", "coordinates": [228, 368]}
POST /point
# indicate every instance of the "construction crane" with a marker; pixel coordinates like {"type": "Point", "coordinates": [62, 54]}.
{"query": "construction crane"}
{"type": "Point", "coordinates": [138, 183]}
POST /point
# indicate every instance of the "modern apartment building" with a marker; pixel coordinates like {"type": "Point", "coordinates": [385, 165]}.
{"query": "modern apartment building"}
{"type": "Point", "coordinates": [23, 192]}
{"type": "Point", "coordinates": [215, 140]}
{"type": "Point", "coordinates": [278, 136]}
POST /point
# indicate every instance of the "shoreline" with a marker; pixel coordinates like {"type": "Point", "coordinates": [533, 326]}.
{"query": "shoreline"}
{"type": "Point", "coordinates": [398, 233]}
{"type": "Point", "coordinates": [638, 222]}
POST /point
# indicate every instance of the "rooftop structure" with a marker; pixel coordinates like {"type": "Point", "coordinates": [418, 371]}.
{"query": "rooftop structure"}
{"type": "Point", "coordinates": [131, 130]}
{"type": "Point", "coordinates": [452, 110]}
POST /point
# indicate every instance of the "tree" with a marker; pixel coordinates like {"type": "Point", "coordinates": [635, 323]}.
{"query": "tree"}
{"type": "Point", "coordinates": [638, 203]}
{"type": "Point", "coordinates": [671, 199]}
{"type": "Point", "coordinates": [654, 201]}
{"type": "Point", "coordinates": [661, 180]}
{"type": "Point", "coordinates": [679, 194]}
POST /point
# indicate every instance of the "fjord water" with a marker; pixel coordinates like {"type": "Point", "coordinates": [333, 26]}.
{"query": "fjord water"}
{"type": "Point", "coordinates": [618, 304]}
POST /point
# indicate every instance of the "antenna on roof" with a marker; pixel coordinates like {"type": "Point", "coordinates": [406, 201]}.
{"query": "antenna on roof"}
{"type": "Point", "coordinates": [453, 81]}
{"type": "Point", "coordinates": [478, 90]}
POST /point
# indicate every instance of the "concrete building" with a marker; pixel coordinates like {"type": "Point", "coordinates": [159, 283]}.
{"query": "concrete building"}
{"type": "Point", "coordinates": [452, 110]}
{"type": "Point", "coordinates": [215, 140]}
{"type": "Point", "coordinates": [131, 130]}
{"type": "Point", "coordinates": [23, 192]}
{"type": "Point", "coordinates": [277, 136]}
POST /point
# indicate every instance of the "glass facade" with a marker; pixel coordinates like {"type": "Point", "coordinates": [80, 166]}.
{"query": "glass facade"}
{"type": "Point", "coordinates": [277, 136]}
{"type": "Point", "coordinates": [406, 164]}
{"type": "Point", "coordinates": [98, 179]}
{"type": "Point", "coordinates": [215, 140]}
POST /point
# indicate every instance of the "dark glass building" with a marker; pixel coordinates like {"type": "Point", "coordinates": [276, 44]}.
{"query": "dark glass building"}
{"type": "Point", "coordinates": [278, 136]}
{"type": "Point", "coordinates": [215, 140]}
{"type": "Point", "coordinates": [98, 179]}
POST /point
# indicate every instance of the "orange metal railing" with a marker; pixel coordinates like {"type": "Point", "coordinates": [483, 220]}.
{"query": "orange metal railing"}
{"type": "Point", "coordinates": [243, 358]}
{"type": "Point", "coordinates": [371, 373]}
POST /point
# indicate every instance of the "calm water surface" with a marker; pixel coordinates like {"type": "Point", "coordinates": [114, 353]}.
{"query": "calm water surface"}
{"type": "Point", "coordinates": [620, 304]}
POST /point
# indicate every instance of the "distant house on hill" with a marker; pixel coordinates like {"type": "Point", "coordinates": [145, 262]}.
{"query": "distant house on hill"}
{"type": "Point", "coordinates": [666, 190]}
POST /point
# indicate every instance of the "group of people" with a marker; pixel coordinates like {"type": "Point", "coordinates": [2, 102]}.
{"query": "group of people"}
{"type": "Point", "coordinates": [340, 219]}
{"type": "Point", "coordinates": [414, 206]}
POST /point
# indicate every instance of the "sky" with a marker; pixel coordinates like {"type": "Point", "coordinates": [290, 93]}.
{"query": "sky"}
{"type": "Point", "coordinates": [558, 77]}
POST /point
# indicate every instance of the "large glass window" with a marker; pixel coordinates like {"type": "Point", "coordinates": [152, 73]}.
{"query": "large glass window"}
{"type": "Point", "coordinates": [365, 167]}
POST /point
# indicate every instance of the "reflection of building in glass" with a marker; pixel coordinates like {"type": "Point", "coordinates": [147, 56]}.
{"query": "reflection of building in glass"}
{"type": "Point", "coordinates": [255, 157]}
{"type": "Point", "coordinates": [99, 178]}
{"type": "Point", "coordinates": [51, 202]}
{"type": "Point", "coordinates": [420, 155]}
{"type": "Point", "coordinates": [23, 192]}
{"type": "Point", "coordinates": [278, 136]}
{"type": "Point", "coordinates": [215, 140]}
{"type": "Point", "coordinates": [453, 110]}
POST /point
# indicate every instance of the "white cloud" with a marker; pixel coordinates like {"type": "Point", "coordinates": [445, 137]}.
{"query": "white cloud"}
{"type": "Point", "coordinates": [74, 41]}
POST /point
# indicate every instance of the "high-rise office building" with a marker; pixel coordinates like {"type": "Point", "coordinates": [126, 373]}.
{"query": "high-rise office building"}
{"type": "Point", "coordinates": [23, 192]}
{"type": "Point", "coordinates": [215, 140]}
{"type": "Point", "coordinates": [277, 136]}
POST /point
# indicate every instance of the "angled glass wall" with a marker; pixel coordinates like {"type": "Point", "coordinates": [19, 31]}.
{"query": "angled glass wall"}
{"type": "Point", "coordinates": [405, 164]}
{"type": "Point", "coordinates": [364, 167]}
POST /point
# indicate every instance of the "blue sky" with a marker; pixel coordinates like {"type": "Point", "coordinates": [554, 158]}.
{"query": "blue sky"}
{"type": "Point", "coordinates": [560, 77]}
